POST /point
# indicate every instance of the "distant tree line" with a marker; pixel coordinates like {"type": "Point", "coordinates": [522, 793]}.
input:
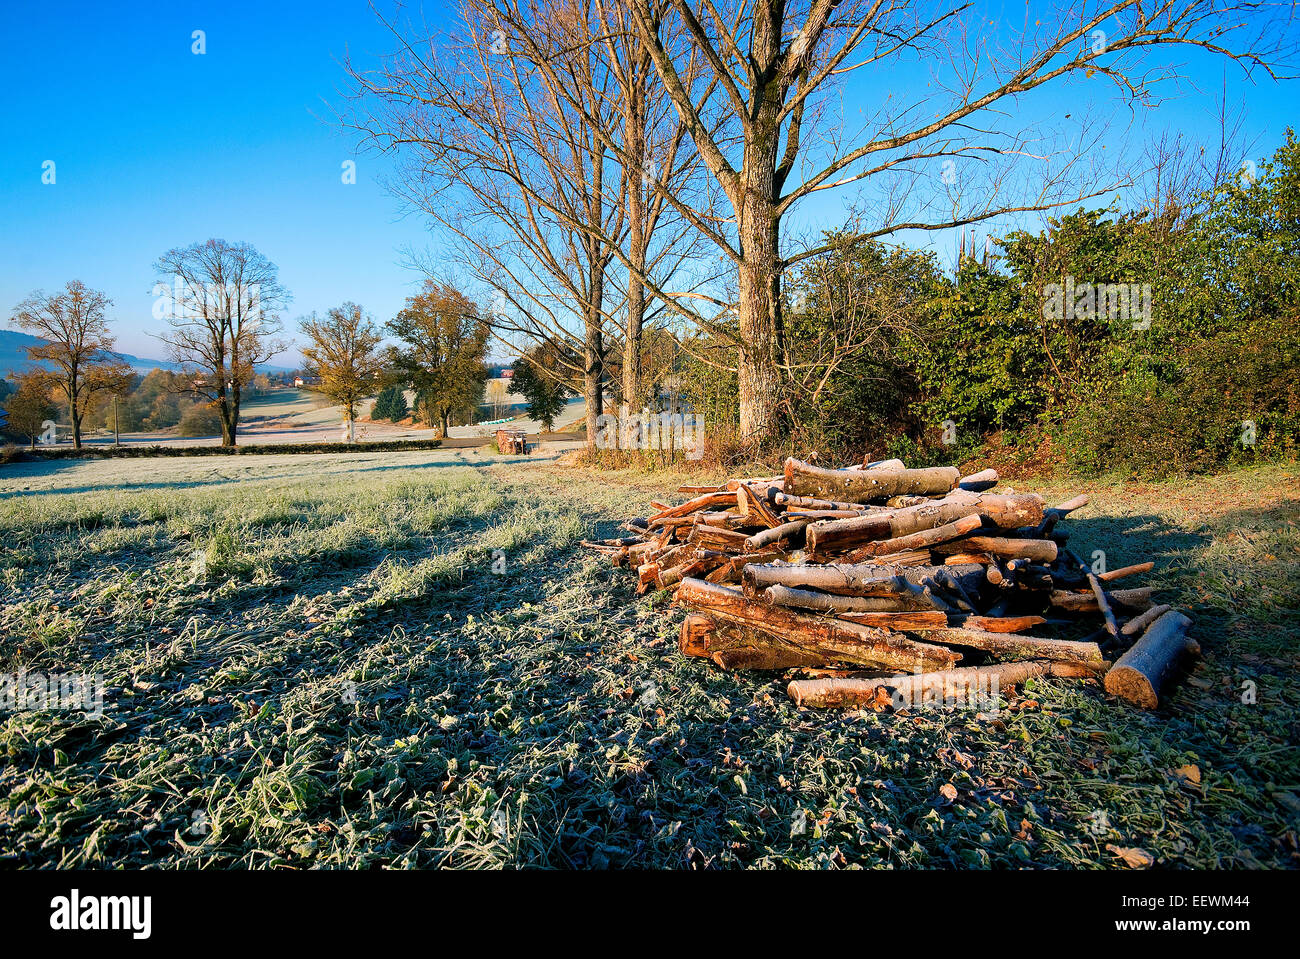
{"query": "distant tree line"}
{"type": "Point", "coordinates": [222, 304]}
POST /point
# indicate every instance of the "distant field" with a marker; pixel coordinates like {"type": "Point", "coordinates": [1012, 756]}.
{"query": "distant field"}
{"type": "Point", "coordinates": [405, 659]}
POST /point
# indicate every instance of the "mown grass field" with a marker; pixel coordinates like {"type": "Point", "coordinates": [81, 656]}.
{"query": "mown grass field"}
{"type": "Point", "coordinates": [406, 660]}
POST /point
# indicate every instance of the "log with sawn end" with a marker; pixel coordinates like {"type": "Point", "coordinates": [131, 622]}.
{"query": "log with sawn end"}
{"type": "Point", "coordinates": [1005, 511]}
{"type": "Point", "coordinates": [835, 640]}
{"type": "Point", "coordinates": [859, 486]}
{"type": "Point", "coordinates": [966, 685]}
{"type": "Point", "coordinates": [1142, 672]}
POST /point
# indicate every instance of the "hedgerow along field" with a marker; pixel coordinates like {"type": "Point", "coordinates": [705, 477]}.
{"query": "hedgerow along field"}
{"type": "Point", "coordinates": [405, 659]}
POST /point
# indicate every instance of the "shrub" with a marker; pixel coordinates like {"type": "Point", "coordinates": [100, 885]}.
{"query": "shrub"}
{"type": "Point", "coordinates": [202, 419]}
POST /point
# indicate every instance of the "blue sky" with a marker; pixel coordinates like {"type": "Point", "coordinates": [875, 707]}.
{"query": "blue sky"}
{"type": "Point", "coordinates": [157, 147]}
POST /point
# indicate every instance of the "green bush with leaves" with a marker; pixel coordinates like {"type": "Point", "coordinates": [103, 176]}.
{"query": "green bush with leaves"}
{"type": "Point", "coordinates": [390, 404]}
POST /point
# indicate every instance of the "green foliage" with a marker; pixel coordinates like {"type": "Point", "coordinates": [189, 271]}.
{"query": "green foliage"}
{"type": "Point", "coordinates": [539, 377]}
{"type": "Point", "coordinates": [850, 313]}
{"type": "Point", "coordinates": [1145, 342]}
{"type": "Point", "coordinates": [390, 404]}
{"type": "Point", "coordinates": [201, 420]}
{"type": "Point", "coordinates": [443, 352]}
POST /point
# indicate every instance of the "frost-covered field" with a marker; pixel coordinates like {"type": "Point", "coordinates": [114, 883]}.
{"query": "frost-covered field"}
{"type": "Point", "coordinates": [405, 659]}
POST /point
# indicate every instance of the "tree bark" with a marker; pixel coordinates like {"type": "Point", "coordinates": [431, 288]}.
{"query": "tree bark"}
{"type": "Point", "coordinates": [759, 232]}
{"type": "Point", "coordinates": [1037, 550]}
{"type": "Point", "coordinates": [635, 146]}
{"type": "Point", "coordinates": [848, 579]}
{"type": "Point", "coordinates": [926, 538]}
{"type": "Point", "coordinates": [837, 605]}
{"type": "Point", "coordinates": [740, 646]}
{"type": "Point", "coordinates": [1139, 598]}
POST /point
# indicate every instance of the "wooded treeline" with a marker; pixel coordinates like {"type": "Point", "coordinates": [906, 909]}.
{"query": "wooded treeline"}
{"type": "Point", "coordinates": [625, 175]}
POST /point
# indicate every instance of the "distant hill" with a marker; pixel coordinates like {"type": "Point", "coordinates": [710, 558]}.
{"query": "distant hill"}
{"type": "Point", "coordinates": [13, 356]}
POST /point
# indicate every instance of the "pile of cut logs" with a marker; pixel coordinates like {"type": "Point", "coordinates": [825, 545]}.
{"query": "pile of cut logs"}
{"type": "Point", "coordinates": [875, 581]}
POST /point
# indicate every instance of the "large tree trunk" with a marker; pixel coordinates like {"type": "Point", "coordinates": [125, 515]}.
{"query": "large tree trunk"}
{"type": "Point", "coordinates": [591, 370]}
{"type": "Point", "coordinates": [634, 133]}
{"type": "Point", "coordinates": [759, 227]}
{"type": "Point", "coordinates": [226, 414]}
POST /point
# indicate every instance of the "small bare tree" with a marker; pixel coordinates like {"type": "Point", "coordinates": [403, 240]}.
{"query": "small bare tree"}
{"type": "Point", "coordinates": [343, 352]}
{"type": "Point", "coordinates": [78, 345]}
{"type": "Point", "coordinates": [225, 300]}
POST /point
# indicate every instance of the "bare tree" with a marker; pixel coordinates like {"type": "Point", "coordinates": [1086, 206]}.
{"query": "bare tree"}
{"type": "Point", "coordinates": [776, 66]}
{"type": "Point", "coordinates": [225, 300]}
{"type": "Point", "coordinates": [477, 123]}
{"type": "Point", "coordinates": [343, 352]}
{"type": "Point", "coordinates": [78, 345]}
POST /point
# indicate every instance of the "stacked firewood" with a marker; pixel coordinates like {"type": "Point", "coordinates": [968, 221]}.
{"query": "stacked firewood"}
{"type": "Point", "coordinates": [876, 581]}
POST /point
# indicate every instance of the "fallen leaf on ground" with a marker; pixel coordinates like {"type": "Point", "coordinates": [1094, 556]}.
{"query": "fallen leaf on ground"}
{"type": "Point", "coordinates": [1133, 857]}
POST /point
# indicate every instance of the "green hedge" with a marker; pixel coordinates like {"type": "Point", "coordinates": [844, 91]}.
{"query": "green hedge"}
{"type": "Point", "coordinates": [114, 452]}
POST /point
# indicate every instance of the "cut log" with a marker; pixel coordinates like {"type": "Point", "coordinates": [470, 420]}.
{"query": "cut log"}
{"type": "Point", "coordinates": [1139, 598]}
{"type": "Point", "coordinates": [707, 501]}
{"type": "Point", "coordinates": [909, 500]}
{"type": "Point", "coordinates": [856, 579]}
{"type": "Point", "coordinates": [714, 537]}
{"type": "Point", "coordinates": [914, 557]}
{"type": "Point", "coordinates": [790, 532]}
{"type": "Point", "coordinates": [979, 482]}
{"type": "Point", "coordinates": [812, 502]}
{"type": "Point", "coordinates": [1015, 646]}
{"type": "Point", "coordinates": [835, 604]}
{"type": "Point", "coordinates": [815, 514]}
{"type": "Point", "coordinates": [1004, 511]}
{"type": "Point", "coordinates": [754, 508]}
{"type": "Point", "coordinates": [926, 538]}
{"type": "Point", "coordinates": [1142, 672]}
{"type": "Point", "coordinates": [832, 639]}
{"type": "Point", "coordinates": [998, 624]}
{"type": "Point", "coordinates": [860, 486]}
{"type": "Point", "coordinates": [1140, 622]}
{"type": "Point", "coordinates": [729, 572]}
{"type": "Point", "coordinates": [1114, 574]}
{"type": "Point", "coordinates": [903, 621]}
{"type": "Point", "coordinates": [967, 685]}
{"type": "Point", "coordinates": [1037, 550]}
{"type": "Point", "coordinates": [1052, 516]}
{"type": "Point", "coordinates": [737, 646]}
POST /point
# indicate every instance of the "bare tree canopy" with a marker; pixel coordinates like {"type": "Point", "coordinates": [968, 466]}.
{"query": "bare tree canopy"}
{"type": "Point", "coordinates": [78, 345]}
{"type": "Point", "coordinates": [223, 313]}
